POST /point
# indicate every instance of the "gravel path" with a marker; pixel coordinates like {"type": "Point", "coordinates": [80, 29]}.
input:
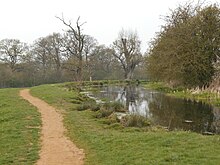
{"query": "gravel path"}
{"type": "Point", "coordinates": [56, 148]}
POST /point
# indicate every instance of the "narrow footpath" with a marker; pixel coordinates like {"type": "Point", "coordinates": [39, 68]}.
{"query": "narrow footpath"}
{"type": "Point", "coordinates": [56, 148]}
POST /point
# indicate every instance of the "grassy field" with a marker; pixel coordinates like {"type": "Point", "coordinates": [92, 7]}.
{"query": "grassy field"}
{"type": "Point", "coordinates": [19, 129]}
{"type": "Point", "coordinates": [113, 144]}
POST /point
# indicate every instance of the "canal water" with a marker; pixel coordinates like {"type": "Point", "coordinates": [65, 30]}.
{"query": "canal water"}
{"type": "Point", "coordinates": [167, 111]}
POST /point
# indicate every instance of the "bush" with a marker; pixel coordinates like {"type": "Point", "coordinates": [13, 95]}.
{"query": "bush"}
{"type": "Point", "coordinates": [134, 121]}
{"type": "Point", "coordinates": [114, 106]}
{"type": "Point", "coordinates": [88, 105]}
{"type": "Point", "coordinates": [104, 113]}
{"type": "Point", "coordinates": [72, 87]}
{"type": "Point", "coordinates": [80, 99]}
{"type": "Point", "coordinates": [113, 118]}
{"type": "Point", "coordinates": [75, 101]}
{"type": "Point", "coordinates": [108, 109]}
{"type": "Point", "coordinates": [95, 107]}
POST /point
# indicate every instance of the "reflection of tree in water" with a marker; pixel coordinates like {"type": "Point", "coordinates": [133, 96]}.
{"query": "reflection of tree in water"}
{"type": "Point", "coordinates": [175, 113]}
{"type": "Point", "coordinates": [216, 120]}
{"type": "Point", "coordinates": [130, 94]}
{"type": "Point", "coordinates": [166, 111]}
{"type": "Point", "coordinates": [134, 99]}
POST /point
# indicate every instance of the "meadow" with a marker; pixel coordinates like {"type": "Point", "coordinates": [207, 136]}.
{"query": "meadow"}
{"type": "Point", "coordinates": [19, 129]}
{"type": "Point", "coordinates": [110, 143]}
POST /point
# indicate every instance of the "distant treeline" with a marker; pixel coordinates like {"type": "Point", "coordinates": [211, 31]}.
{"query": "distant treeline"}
{"type": "Point", "coordinates": [62, 57]}
{"type": "Point", "coordinates": [186, 52]}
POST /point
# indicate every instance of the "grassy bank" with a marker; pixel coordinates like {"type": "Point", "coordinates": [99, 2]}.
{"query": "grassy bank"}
{"type": "Point", "coordinates": [205, 96]}
{"type": "Point", "coordinates": [113, 144]}
{"type": "Point", "coordinates": [19, 129]}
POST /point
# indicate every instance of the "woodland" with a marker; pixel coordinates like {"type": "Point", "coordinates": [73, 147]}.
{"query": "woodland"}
{"type": "Point", "coordinates": [185, 52]}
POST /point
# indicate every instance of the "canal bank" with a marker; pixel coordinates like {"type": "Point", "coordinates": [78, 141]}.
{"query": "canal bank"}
{"type": "Point", "coordinates": [173, 113]}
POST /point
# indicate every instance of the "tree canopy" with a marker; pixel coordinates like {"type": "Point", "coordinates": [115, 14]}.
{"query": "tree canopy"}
{"type": "Point", "coordinates": [188, 46]}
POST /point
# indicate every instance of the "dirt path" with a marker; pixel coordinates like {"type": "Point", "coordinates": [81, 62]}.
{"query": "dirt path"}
{"type": "Point", "coordinates": [56, 148]}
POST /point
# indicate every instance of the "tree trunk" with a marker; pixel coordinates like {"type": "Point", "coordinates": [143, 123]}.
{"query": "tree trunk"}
{"type": "Point", "coordinates": [129, 72]}
{"type": "Point", "coordinates": [79, 72]}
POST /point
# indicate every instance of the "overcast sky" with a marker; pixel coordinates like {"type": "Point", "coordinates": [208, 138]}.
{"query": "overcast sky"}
{"type": "Point", "coordinates": [28, 20]}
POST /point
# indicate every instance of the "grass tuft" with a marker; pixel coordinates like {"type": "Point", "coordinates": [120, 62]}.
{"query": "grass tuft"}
{"type": "Point", "coordinates": [134, 121]}
{"type": "Point", "coordinates": [88, 105]}
{"type": "Point", "coordinates": [114, 106]}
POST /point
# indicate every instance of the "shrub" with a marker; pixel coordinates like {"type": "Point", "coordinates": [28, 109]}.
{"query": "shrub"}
{"type": "Point", "coordinates": [110, 119]}
{"type": "Point", "coordinates": [75, 101]}
{"type": "Point", "coordinates": [113, 118]}
{"type": "Point", "coordinates": [134, 121]}
{"type": "Point", "coordinates": [114, 106]}
{"type": "Point", "coordinates": [104, 113]}
{"type": "Point", "coordinates": [108, 109]}
{"type": "Point", "coordinates": [95, 107]}
{"type": "Point", "coordinates": [88, 105]}
{"type": "Point", "coordinates": [72, 87]}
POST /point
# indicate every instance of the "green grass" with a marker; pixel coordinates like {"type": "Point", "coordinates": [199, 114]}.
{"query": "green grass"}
{"type": "Point", "coordinates": [19, 129]}
{"type": "Point", "coordinates": [204, 96]}
{"type": "Point", "coordinates": [115, 145]}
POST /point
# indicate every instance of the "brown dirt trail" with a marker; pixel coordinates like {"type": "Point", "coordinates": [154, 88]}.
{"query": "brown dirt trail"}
{"type": "Point", "coordinates": [56, 148]}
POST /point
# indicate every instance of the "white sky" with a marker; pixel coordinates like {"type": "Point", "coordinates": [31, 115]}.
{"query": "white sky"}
{"type": "Point", "coordinates": [28, 20]}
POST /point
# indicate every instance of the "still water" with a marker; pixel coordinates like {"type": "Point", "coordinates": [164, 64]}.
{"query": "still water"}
{"type": "Point", "coordinates": [170, 112]}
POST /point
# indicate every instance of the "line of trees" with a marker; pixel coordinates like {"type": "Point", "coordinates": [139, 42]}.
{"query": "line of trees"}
{"type": "Point", "coordinates": [71, 56]}
{"type": "Point", "coordinates": [186, 51]}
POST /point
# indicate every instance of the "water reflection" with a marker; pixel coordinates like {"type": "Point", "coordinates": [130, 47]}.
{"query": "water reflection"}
{"type": "Point", "coordinates": [170, 112]}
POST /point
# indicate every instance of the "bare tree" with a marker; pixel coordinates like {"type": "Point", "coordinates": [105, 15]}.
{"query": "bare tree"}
{"type": "Point", "coordinates": [41, 55]}
{"type": "Point", "coordinates": [88, 51]}
{"type": "Point", "coordinates": [75, 43]}
{"type": "Point", "coordinates": [103, 58]}
{"type": "Point", "coordinates": [103, 65]}
{"type": "Point", "coordinates": [89, 46]}
{"type": "Point", "coordinates": [127, 51]}
{"type": "Point", "coordinates": [54, 48]}
{"type": "Point", "coordinates": [11, 51]}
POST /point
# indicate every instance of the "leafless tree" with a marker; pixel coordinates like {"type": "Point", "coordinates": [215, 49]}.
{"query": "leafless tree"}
{"type": "Point", "coordinates": [55, 50]}
{"type": "Point", "coordinates": [127, 51]}
{"type": "Point", "coordinates": [41, 56]}
{"type": "Point", "coordinates": [89, 47]}
{"type": "Point", "coordinates": [11, 51]}
{"type": "Point", "coordinates": [75, 43]}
